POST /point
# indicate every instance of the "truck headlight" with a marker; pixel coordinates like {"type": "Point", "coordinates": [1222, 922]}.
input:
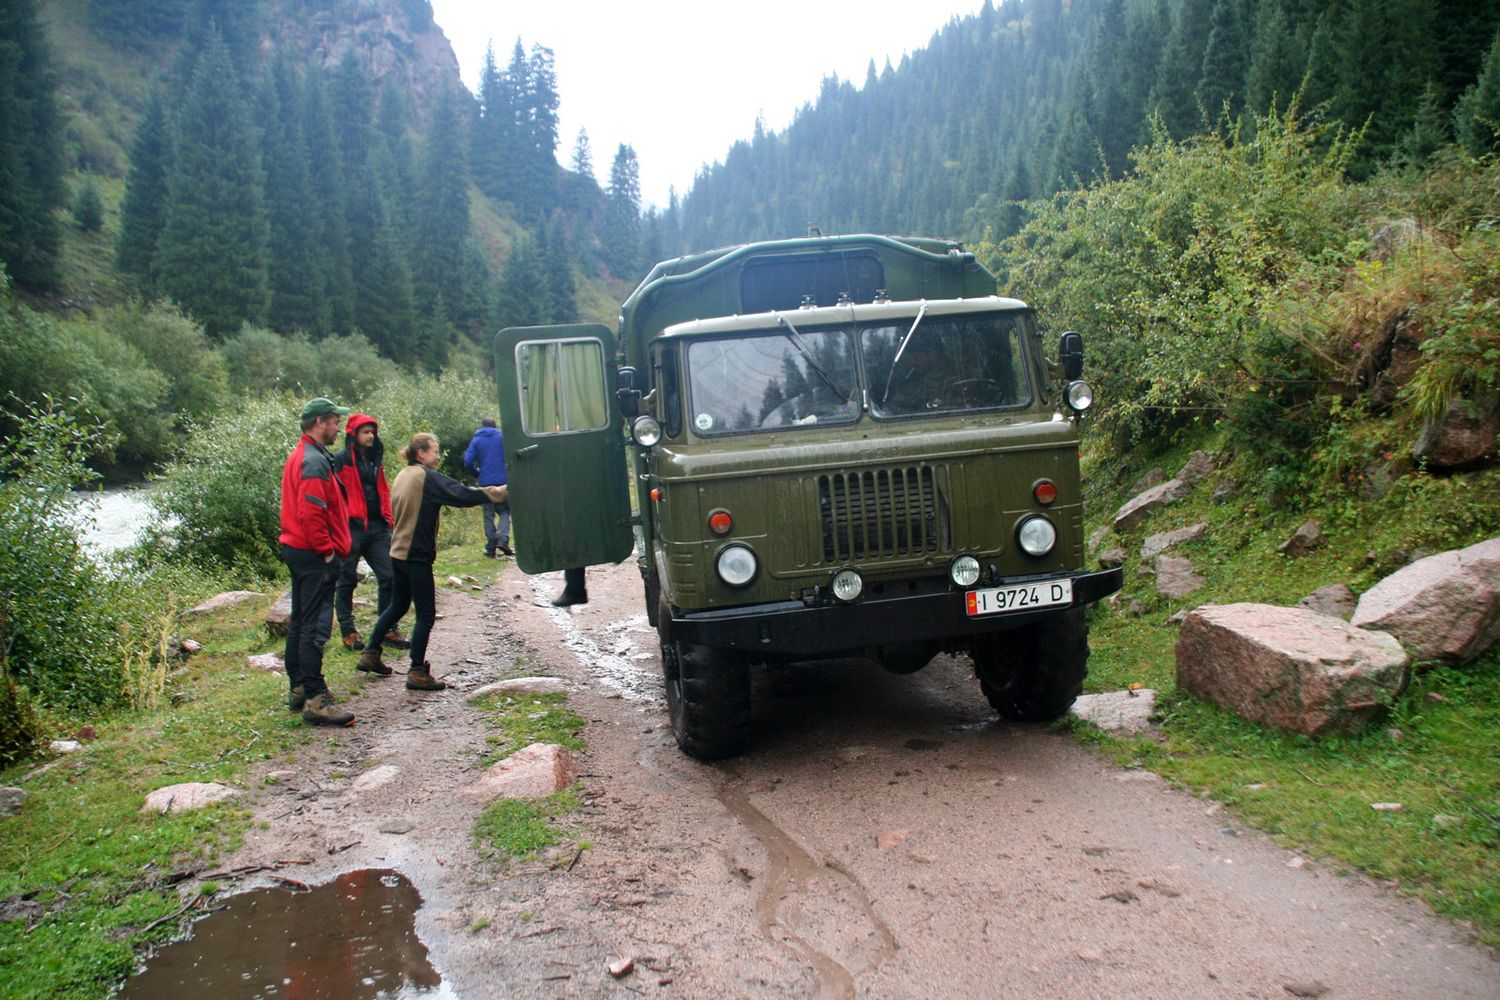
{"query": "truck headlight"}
{"type": "Point", "coordinates": [1080, 395]}
{"type": "Point", "coordinates": [964, 571]}
{"type": "Point", "coordinates": [1036, 536]}
{"type": "Point", "coordinates": [646, 431]}
{"type": "Point", "coordinates": [736, 565]}
{"type": "Point", "coordinates": [848, 584]}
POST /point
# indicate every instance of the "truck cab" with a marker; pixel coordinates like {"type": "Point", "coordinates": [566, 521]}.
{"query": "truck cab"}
{"type": "Point", "coordinates": [839, 446]}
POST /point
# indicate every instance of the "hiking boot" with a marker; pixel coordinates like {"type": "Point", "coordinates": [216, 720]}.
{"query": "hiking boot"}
{"type": "Point", "coordinates": [394, 639]}
{"type": "Point", "coordinates": [570, 597]}
{"type": "Point", "coordinates": [321, 711]}
{"type": "Point", "coordinates": [296, 698]}
{"type": "Point", "coordinates": [506, 549]}
{"type": "Point", "coordinates": [421, 679]}
{"type": "Point", "coordinates": [353, 641]}
{"type": "Point", "coordinates": [369, 662]}
{"type": "Point", "coordinates": [489, 553]}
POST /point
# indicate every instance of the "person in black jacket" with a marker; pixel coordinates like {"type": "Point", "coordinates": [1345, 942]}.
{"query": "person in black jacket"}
{"type": "Point", "coordinates": [417, 498]}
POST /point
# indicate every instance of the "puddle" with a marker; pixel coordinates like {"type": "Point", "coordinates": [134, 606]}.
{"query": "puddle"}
{"type": "Point", "coordinates": [354, 938]}
{"type": "Point", "coordinates": [622, 668]}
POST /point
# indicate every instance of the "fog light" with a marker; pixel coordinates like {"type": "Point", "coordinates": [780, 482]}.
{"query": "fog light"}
{"type": "Point", "coordinates": [736, 565]}
{"type": "Point", "coordinates": [847, 584]}
{"type": "Point", "coordinates": [964, 571]}
{"type": "Point", "coordinates": [1080, 395]}
{"type": "Point", "coordinates": [1036, 536]}
{"type": "Point", "coordinates": [646, 431]}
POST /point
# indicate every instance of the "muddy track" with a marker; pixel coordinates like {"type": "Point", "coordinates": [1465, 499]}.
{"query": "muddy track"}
{"type": "Point", "coordinates": [884, 837]}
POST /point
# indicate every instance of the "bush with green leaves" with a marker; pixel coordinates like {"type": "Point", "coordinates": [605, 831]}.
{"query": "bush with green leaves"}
{"type": "Point", "coordinates": [60, 644]}
{"type": "Point", "coordinates": [175, 345]}
{"type": "Point", "coordinates": [341, 367]}
{"type": "Point", "coordinates": [450, 405]}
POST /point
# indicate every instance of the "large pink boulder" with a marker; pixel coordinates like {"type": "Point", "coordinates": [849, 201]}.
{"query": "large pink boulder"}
{"type": "Point", "coordinates": [1444, 607]}
{"type": "Point", "coordinates": [1289, 667]}
{"type": "Point", "coordinates": [530, 773]}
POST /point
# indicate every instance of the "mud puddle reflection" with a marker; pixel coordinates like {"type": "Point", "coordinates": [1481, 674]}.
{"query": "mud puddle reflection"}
{"type": "Point", "coordinates": [354, 937]}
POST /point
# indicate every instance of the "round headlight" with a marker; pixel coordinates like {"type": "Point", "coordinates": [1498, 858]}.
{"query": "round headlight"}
{"type": "Point", "coordinates": [736, 565]}
{"type": "Point", "coordinates": [646, 431]}
{"type": "Point", "coordinates": [847, 584]}
{"type": "Point", "coordinates": [1080, 395]}
{"type": "Point", "coordinates": [964, 571]}
{"type": "Point", "coordinates": [1036, 536]}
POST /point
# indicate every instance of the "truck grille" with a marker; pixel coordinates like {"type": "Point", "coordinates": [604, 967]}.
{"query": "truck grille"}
{"type": "Point", "coordinates": [881, 512]}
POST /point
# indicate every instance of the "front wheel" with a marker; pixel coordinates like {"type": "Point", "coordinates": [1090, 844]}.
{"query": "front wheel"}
{"type": "Point", "coordinates": [708, 694]}
{"type": "Point", "coordinates": [1033, 673]}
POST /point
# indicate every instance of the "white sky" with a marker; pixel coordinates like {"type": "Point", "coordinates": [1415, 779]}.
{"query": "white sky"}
{"type": "Point", "coordinates": [681, 80]}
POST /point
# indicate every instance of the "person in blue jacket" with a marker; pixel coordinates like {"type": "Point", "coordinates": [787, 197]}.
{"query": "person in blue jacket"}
{"type": "Point", "coordinates": [484, 459]}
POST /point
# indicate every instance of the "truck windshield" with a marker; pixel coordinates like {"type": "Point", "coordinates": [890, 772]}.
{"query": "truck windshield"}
{"type": "Point", "coordinates": [951, 363]}
{"type": "Point", "coordinates": [767, 380]}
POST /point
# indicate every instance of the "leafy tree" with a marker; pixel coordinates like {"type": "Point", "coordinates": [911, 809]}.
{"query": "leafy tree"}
{"type": "Point", "coordinates": [144, 210]}
{"type": "Point", "coordinates": [31, 152]}
{"type": "Point", "coordinates": [211, 257]}
{"type": "Point", "coordinates": [88, 207]}
{"type": "Point", "coordinates": [622, 218]}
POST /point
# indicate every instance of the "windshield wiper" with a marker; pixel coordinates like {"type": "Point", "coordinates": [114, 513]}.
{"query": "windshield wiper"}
{"type": "Point", "coordinates": [796, 338]}
{"type": "Point", "coordinates": [900, 350]}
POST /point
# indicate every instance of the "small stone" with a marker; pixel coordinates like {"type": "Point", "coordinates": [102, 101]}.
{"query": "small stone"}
{"type": "Point", "coordinates": [1444, 819]}
{"type": "Point", "coordinates": [188, 795]}
{"type": "Point", "coordinates": [524, 685]}
{"type": "Point", "coordinates": [1112, 558]}
{"type": "Point", "coordinates": [1436, 698]}
{"type": "Point", "coordinates": [1296, 861]}
{"type": "Point", "coordinates": [375, 777]}
{"type": "Point", "coordinates": [1386, 807]}
{"type": "Point", "coordinates": [191, 646]}
{"type": "Point", "coordinates": [266, 661]}
{"type": "Point", "coordinates": [65, 746]}
{"type": "Point", "coordinates": [890, 839]}
{"type": "Point", "coordinates": [621, 967]}
{"type": "Point", "coordinates": [1395, 735]}
{"type": "Point", "coordinates": [220, 601]}
{"type": "Point", "coordinates": [398, 827]}
{"type": "Point", "coordinates": [454, 581]}
{"type": "Point", "coordinates": [1313, 988]}
{"type": "Point", "coordinates": [11, 800]}
{"type": "Point", "coordinates": [1121, 896]}
{"type": "Point", "coordinates": [1306, 538]}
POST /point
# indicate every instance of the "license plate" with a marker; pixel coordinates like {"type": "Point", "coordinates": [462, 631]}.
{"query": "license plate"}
{"type": "Point", "coordinates": [1021, 597]}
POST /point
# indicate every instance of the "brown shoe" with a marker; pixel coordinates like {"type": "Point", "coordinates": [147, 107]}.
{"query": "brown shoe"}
{"type": "Point", "coordinates": [394, 639]}
{"type": "Point", "coordinates": [369, 662]}
{"type": "Point", "coordinates": [353, 641]}
{"type": "Point", "coordinates": [296, 698]}
{"type": "Point", "coordinates": [422, 679]}
{"type": "Point", "coordinates": [321, 711]}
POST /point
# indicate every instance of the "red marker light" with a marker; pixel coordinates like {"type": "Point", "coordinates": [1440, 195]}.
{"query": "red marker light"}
{"type": "Point", "coordinates": [1044, 492]}
{"type": "Point", "coordinates": [656, 494]}
{"type": "Point", "coordinates": [719, 522]}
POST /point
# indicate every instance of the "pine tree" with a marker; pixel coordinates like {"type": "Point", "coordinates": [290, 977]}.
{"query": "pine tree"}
{"type": "Point", "coordinates": [329, 216]}
{"type": "Point", "coordinates": [383, 309]}
{"type": "Point", "coordinates": [622, 216]}
{"type": "Point", "coordinates": [583, 155]}
{"type": "Point", "coordinates": [516, 299]}
{"type": "Point", "coordinates": [292, 260]}
{"type": "Point", "coordinates": [31, 152]}
{"type": "Point", "coordinates": [1277, 60]}
{"type": "Point", "coordinates": [493, 136]}
{"type": "Point", "coordinates": [1221, 84]}
{"type": "Point", "coordinates": [88, 206]}
{"type": "Point", "coordinates": [442, 223]}
{"type": "Point", "coordinates": [211, 257]}
{"type": "Point", "coordinates": [1476, 119]}
{"type": "Point", "coordinates": [1174, 96]}
{"type": "Point", "coordinates": [1428, 132]}
{"type": "Point", "coordinates": [144, 209]}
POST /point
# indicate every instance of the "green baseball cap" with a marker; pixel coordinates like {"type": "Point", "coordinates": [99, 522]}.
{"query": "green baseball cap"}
{"type": "Point", "coordinates": [322, 407]}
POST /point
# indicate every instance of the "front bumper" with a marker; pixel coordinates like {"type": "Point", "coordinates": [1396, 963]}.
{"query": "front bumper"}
{"type": "Point", "coordinates": [795, 628]}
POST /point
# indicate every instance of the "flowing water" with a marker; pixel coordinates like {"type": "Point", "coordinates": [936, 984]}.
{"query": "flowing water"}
{"type": "Point", "coordinates": [110, 520]}
{"type": "Point", "coordinates": [351, 939]}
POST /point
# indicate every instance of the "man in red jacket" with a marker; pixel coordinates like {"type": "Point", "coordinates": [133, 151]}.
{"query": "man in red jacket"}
{"type": "Point", "coordinates": [314, 541]}
{"type": "Point", "coordinates": [361, 468]}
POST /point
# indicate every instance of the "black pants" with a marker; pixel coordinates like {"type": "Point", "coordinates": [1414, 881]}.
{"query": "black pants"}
{"type": "Point", "coordinates": [411, 584]}
{"type": "Point", "coordinates": [311, 619]}
{"type": "Point", "coordinates": [374, 544]}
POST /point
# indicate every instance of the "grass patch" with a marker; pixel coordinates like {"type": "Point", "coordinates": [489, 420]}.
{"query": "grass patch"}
{"type": "Point", "coordinates": [1437, 752]}
{"type": "Point", "coordinates": [83, 868]}
{"type": "Point", "coordinates": [524, 719]}
{"type": "Point", "coordinates": [522, 828]}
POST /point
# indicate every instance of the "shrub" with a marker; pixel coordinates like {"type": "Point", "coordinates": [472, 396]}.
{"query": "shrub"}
{"type": "Point", "coordinates": [449, 405]}
{"type": "Point", "coordinates": [341, 367]}
{"type": "Point", "coordinates": [176, 346]}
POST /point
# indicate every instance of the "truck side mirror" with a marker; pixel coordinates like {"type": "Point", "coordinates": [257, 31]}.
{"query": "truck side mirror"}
{"type": "Point", "coordinates": [1070, 353]}
{"type": "Point", "coordinates": [627, 393]}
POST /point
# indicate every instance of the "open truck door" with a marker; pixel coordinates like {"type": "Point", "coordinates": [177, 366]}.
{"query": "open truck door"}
{"type": "Point", "coordinates": [564, 448]}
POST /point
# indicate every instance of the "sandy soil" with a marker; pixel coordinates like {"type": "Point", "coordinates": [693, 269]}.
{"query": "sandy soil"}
{"type": "Point", "coordinates": [886, 837]}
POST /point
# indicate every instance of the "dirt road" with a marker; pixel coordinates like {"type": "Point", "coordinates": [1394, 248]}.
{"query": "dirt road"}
{"type": "Point", "coordinates": [885, 837]}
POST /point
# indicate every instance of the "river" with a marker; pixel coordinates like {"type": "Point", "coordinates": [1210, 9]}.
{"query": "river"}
{"type": "Point", "coordinates": [110, 520]}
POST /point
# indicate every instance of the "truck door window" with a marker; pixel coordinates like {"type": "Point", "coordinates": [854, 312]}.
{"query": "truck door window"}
{"type": "Point", "coordinates": [671, 391]}
{"type": "Point", "coordinates": [562, 386]}
{"type": "Point", "coordinates": [951, 364]}
{"type": "Point", "coordinates": [768, 381]}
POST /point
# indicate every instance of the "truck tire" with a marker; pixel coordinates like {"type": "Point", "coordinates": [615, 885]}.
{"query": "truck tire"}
{"type": "Point", "coordinates": [708, 694]}
{"type": "Point", "coordinates": [1033, 673]}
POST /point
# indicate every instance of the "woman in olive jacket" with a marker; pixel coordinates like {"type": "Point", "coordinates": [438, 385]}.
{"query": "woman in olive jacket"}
{"type": "Point", "coordinates": [417, 498]}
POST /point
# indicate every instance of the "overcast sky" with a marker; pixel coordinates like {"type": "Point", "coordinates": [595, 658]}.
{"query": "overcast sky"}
{"type": "Point", "coordinates": [681, 80]}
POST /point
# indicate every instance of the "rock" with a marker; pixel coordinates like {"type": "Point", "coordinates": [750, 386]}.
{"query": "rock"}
{"type": "Point", "coordinates": [190, 795]}
{"type": "Point", "coordinates": [1150, 479]}
{"type": "Point", "coordinates": [1289, 667]}
{"type": "Point", "coordinates": [1386, 807]}
{"type": "Point", "coordinates": [375, 777]}
{"type": "Point", "coordinates": [1391, 358]}
{"type": "Point", "coordinates": [1116, 711]}
{"type": "Point", "coordinates": [890, 838]}
{"type": "Point", "coordinates": [219, 602]}
{"type": "Point", "coordinates": [852, 754]}
{"type": "Point", "coordinates": [11, 800]}
{"type": "Point", "coordinates": [1375, 479]}
{"type": "Point", "coordinates": [1175, 576]}
{"type": "Point", "coordinates": [266, 661]}
{"type": "Point", "coordinates": [1464, 437]}
{"type": "Point", "coordinates": [65, 746]}
{"type": "Point", "coordinates": [1155, 545]}
{"type": "Point", "coordinates": [1136, 510]}
{"type": "Point", "coordinates": [621, 967]}
{"type": "Point", "coordinates": [191, 646]}
{"type": "Point", "coordinates": [1199, 465]}
{"type": "Point", "coordinates": [279, 618]}
{"type": "Point", "coordinates": [524, 685]}
{"type": "Point", "coordinates": [1313, 988]}
{"type": "Point", "coordinates": [1098, 537]}
{"type": "Point", "coordinates": [1137, 609]}
{"type": "Point", "coordinates": [1112, 558]}
{"type": "Point", "coordinates": [1178, 617]}
{"type": "Point", "coordinates": [1335, 600]}
{"type": "Point", "coordinates": [532, 772]}
{"type": "Point", "coordinates": [1444, 607]}
{"type": "Point", "coordinates": [1393, 237]}
{"type": "Point", "coordinates": [454, 581]}
{"type": "Point", "coordinates": [1306, 538]}
{"type": "Point", "coordinates": [397, 827]}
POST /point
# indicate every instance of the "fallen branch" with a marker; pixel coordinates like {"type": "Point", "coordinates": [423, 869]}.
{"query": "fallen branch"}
{"type": "Point", "coordinates": [172, 916]}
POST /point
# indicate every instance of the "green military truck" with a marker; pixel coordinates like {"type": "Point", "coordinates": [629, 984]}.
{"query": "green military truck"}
{"type": "Point", "coordinates": [842, 446]}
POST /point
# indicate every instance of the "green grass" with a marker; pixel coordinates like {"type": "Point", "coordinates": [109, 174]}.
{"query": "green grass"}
{"type": "Point", "coordinates": [524, 719]}
{"type": "Point", "coordinates": [1437, 754]}
{"type": "Point", "coordinates": [523, 828]}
